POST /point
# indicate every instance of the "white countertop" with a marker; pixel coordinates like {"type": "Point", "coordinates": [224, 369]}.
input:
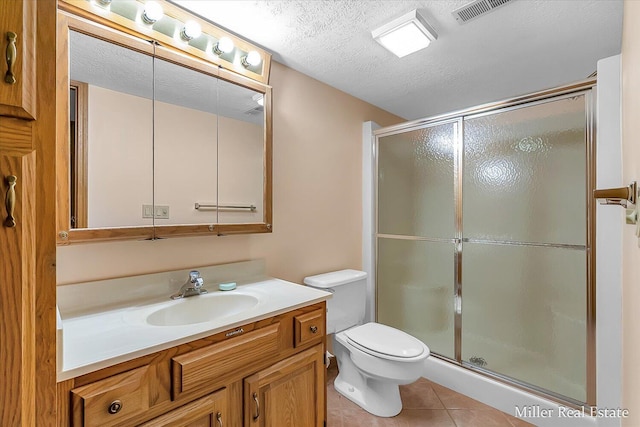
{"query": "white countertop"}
{"type": "Point", "coordinates": [92, 341]}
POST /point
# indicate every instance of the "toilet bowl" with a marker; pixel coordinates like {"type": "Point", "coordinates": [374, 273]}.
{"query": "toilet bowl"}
{"type": "Point", "coordinates": [373, 359]}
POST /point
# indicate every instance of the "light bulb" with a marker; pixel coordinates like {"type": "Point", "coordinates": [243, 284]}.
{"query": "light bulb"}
{"type": "Point", "coordinates": [252, 59]}
{"type": "Point", "coordinates": [224, 45]}
{"type": "Point", "coordinates": [152, 12]}
{"type": "Point", "coordinates": [191, 30]}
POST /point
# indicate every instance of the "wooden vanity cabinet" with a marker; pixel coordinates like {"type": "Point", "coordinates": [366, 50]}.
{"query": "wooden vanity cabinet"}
{"type": "Point", "coordinates": [258, 374]}
{"type": "Point", "coordinates": [18, 75]}
{"type": "Point", "coordinates": [289, 393]}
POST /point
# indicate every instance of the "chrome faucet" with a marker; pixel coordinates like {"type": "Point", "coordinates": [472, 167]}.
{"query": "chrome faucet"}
{"type": "Point", "coordinates": [192, 287]}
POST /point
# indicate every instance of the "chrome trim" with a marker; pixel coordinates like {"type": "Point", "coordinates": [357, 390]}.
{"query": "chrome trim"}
{"type": "Point", "coordinates": [547, 93]}
{"type": "Point", "coordinates": [534, 244]}
{"type": "Point", "coordinates": [458, 177]}
{"type": "Point", "coordinates": [590, 99]}
{"type": "Point", "coordinates": [404, 237]}
{"type": "Point", "coordinates": [533, 103]}
{"type": "Point", "coordinates": [581, 88]}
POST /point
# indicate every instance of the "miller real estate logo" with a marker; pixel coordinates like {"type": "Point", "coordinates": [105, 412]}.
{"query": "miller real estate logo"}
{"type": "Point", "coordinates": [537, 411]}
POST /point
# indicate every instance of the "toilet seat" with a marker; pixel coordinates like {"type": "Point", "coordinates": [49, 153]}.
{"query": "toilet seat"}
{"type": "Point", "coordinates": [386, 342]}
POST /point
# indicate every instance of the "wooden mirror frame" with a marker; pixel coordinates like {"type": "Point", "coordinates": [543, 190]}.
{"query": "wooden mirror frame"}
{"type": "Point", "coordinates": [109, 31]}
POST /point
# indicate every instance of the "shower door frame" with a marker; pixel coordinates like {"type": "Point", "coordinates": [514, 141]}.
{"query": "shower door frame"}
{"type": "Point", "coordinates": [586, 88]}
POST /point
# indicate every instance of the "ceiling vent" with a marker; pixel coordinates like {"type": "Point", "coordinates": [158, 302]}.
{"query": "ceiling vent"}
{"type": "Point", "coordinates": [477, 8]}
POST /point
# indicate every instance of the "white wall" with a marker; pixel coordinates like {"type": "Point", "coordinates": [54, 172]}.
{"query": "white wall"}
{"type": "Point", "coordinates": [631, 171]}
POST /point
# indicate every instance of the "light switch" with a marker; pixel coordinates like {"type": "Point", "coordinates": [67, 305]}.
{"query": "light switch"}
{"type": "Point", "coordinates": [147, 211]}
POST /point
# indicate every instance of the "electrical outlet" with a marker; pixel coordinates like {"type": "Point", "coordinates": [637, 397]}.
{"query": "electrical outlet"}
{"type": "Point", "coordinates": [162, 212]}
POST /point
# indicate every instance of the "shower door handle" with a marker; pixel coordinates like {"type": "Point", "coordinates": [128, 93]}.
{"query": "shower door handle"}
{"type": "Point", "coordinates": [623, 196]}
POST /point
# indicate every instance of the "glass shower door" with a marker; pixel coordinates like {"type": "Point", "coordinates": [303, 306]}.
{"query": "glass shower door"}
{"type": "Point", "coordinates": [524, 258]}
{"type": "Point", "coordinates": [416, 240]}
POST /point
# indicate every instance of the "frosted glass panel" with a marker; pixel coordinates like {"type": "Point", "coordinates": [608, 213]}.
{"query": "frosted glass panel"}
{"type": "Point", "coordinates": [415, 182]}
{"type": "Point", "coordinates": [524, 174]}
{"type": "Point", "coordinates": [415, 290]}
{"type": "Point", "coordinates": [524, 315]}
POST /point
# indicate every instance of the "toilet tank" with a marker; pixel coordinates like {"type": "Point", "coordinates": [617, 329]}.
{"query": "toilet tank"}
{"type": "Point", "coordinates": [346, 308]}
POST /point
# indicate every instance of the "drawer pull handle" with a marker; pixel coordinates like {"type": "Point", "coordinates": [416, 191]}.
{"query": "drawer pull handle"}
{"type": "Point", "coordinates": [10, 55]}
{"type": "Point", "coordinates": [219, 418]}
{"type": "Point", "coordinates": [255, 399]}
{"type": "Point", "coordinates": [115, 407]}
{"type": "Point", "coordinates": [314, 329]}
{"type": "Point", "coordinates": [10, 201]}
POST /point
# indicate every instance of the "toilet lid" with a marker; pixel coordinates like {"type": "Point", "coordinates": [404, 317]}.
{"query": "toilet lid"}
{"type": "Point", "coordinates": [385, 340]}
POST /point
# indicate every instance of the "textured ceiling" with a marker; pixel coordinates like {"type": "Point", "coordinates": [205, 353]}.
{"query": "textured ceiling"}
{"type": "Point", "coordinates": [524, 46]}
{"type": "Point", "coordinates": [114, 67]}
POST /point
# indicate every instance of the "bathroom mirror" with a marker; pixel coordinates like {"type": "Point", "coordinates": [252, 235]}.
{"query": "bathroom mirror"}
{"type": "Point", "coordinates": [159, 144]}
{"type": "Point", "coordinates": [111, 158]}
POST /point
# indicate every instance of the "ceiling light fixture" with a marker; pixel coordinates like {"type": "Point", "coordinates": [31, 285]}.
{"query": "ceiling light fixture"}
{"type": "Point", "coordinates": [406, 34]}
{"type": "Point", "coordinates": [152, 12]}
{"type": "Point", "coordinates": [224, 45]}
{"type": "Point", "coordinates": [191, 30]}
{"type": "Point", "coordinates": [252, 59]}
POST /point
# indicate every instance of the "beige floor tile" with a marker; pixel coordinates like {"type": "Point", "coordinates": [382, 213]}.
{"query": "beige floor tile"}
{"type": "Point", "coordinates": [425, 417]}
{"type": "Point", "coordinates": [452, 400]}
{"type": "Point", "coordinates": [419, 395]}
{"type": "Point", "coordinates": [517, 422]}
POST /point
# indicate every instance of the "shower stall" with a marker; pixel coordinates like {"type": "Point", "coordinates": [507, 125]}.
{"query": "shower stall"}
{"type": "Point", "coordinates": [484, 239]}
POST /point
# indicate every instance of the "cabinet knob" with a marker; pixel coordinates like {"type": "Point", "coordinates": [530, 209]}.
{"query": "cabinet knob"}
{"type": "Point", "coordinates": [313, 329]}
{"type": "Point", "coordinates": [115, 407]}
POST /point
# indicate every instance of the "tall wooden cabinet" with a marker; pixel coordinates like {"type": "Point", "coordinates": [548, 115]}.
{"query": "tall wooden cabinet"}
{"type": "Point", "coordinates": [27, 189]}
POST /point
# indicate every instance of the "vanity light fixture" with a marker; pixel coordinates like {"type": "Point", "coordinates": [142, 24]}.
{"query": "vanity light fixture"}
{"type": "Point", "coordinates": [191, 30]}
{"type": "Point", "coordinates": [252, 59]}
{"type": "Point", "coordinates": [224, 45]}
{"type": "Point", "coordinates": [259, 98]}
{"type": "Point", "coordinates": [406, 34]}
{"type": "Point", "coordinates": [152, 12]}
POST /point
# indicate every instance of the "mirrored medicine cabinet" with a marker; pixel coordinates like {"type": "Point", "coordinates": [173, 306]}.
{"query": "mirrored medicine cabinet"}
{"type": "Point", "coordinates": [156, 142]}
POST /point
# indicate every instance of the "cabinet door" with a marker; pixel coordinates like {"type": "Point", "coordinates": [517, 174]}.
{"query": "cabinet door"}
{"type": "Point", "coordinates": [208, 411]}
{"type": "Point", "coordinates": [290, 393]}
{"type": "Point", "coordinates": [17, 44]}
{"type": "Point", "coordinates": [17, 290]}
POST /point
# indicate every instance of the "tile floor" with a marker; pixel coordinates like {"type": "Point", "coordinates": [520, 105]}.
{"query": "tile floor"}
{"type": "Point", "coordinates": [424, 404]}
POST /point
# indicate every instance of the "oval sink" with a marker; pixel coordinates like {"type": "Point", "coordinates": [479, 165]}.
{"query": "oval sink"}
{"type": "Point", "coordinates": [202, 308]}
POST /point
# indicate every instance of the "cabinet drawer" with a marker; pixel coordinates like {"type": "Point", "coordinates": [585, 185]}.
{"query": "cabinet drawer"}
{"type": "Point", "coordinates": [309, 326]}
{"type": "Point", "coordinates": [112, 400]}
{"type": "Point", "coordinates": [210, 366]}
{"type": "Point", "coordinates": [201, 412]}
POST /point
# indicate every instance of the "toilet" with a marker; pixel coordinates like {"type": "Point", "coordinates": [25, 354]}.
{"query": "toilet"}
{"type": "Point", "coordinates": [373, 359]}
